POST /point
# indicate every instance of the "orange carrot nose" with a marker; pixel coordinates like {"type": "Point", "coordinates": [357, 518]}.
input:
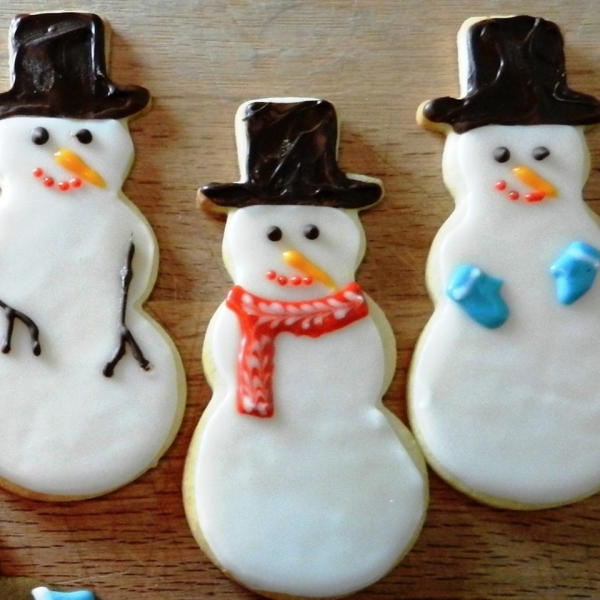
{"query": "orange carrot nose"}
{"type": "Point", "coordinates": [71, 162]}
{"type": "Point", "coordinates": [297, 260]}
{"type": "Point", "coordinates": [531, 179]}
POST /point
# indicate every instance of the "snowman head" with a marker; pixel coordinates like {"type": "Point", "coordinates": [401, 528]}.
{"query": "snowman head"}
{"type": "Point", "coordinates": [64, 122]}
{"type": "Point", "coordinates": [292, 230]}
{"type": "Point", "coordinates": [520, 165]}
{"type": "Point", "coordinates": [516, 132]}
{"type": "Point", "coordinates": [293, 252]}
{"type": "Point", "coordinates": [67, 156]}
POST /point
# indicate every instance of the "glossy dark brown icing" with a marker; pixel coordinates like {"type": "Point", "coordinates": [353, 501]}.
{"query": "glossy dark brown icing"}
{"type": "Point", "coordinates": [59, 70]}
{"type": "Point", "coordinates": [516, 76]}
{"type": "Point", "coordinates": [291, 159]}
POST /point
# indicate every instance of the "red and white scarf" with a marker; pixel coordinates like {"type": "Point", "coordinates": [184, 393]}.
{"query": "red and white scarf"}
{"type": "Point", "coordinates": [261, 320]}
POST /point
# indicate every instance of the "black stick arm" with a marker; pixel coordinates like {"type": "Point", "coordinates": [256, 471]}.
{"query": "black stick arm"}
{"type": "Point", "coordinates": [125, 336]}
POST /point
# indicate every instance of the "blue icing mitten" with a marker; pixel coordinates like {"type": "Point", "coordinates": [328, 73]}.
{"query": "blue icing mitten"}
{"type": "Point", "coordinates": [478, 295]}
{"type": "Point", "coordinates": [575, 271]}
{"type": "Point", "coordinates": [43, 593]}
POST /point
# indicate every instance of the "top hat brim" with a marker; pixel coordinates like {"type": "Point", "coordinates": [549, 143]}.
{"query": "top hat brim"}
{"type": "Point", "coordinates": [471, 112]}
{"type": "Point", "coordinates": [120, 102]}
{"type": "Point", "coordinates": [348, 193]}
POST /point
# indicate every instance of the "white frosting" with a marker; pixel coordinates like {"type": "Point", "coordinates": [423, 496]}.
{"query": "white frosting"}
{"type": "Point", "coordinates": [66, 429]}
{"type": "Point", "coordinates": [326, 496]}
{"type": "Point", "coordinates": [512, 415]}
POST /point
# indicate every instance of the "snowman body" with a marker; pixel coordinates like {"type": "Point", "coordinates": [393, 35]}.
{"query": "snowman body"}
{"type": "Point", "coordinates": [68, 430]}
{"type": "Point", "coordinates": [511, 415]}
{"type": "Point", "coordinates": [324, 497]}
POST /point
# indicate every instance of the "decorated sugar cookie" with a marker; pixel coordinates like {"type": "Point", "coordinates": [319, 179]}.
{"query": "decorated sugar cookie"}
{"type": "Point", "coordinates": [299, 482]}
{"type": "Point", "coordinates": [25, 588]}
{"type": "Point", "coordinates": [504, 394]}
{"type": "Point", "coordinates": [91, 389]}
{"type": "Point", "coordinates": [43, 593]}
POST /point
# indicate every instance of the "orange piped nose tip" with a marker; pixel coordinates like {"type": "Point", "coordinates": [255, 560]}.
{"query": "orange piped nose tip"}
{"type": "Point", "coordinates": [530, 178]}
{"type": "Point", "coordinates": [297, 260]}
{"type": "Point", "coordinates": [70, 161]}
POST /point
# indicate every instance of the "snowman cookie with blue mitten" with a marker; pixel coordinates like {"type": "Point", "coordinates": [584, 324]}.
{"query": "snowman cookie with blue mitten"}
{"type": "Point", "coordinates": [43, 593]}
{"type": "Point", "coordinates": [503, 392]}
{"type": "Point", "coordinates": [26, 588]}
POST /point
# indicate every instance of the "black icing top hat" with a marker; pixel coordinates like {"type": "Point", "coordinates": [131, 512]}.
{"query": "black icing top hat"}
{"type": "Point", "coordinates": [516, 76]}
{"type": "Point", "coordinates": [59, 70]}
{"type": "Point", "coordinates": [291, 159]}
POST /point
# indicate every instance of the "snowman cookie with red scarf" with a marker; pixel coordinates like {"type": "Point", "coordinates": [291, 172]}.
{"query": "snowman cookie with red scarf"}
{"type": "Point", "coordinates": [299, 482]}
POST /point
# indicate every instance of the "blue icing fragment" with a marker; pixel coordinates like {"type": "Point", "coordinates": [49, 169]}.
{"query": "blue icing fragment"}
{"type": "Point", "coordinates": [478, 295]}
{"type": "Point", "coordinates": [575, 271]}
{"type": "Point", "coordinates": [43, 593]}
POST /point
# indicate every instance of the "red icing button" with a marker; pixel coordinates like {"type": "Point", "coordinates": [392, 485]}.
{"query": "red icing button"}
{"type": "Point", "coordinates": [282, 280]}
{"type": "Point", "coordinates": [75, 182]}
{"type": "Point", "coordinates": [48, 181]}
{"type": "Point", "coordinates": [535, 197]}
{"type": "Point", "coordinates": [63, 186]}
{"type": "Point", "coordinates": [500, 185]}
{"type": "Point", "coordinates": [514, 195]}
{"type": "Point", "coordinates": [295, 280]}
{"type": "Point", "coordinates": [271, 275]}
{"type": "Point", "coordinates": [307, 280]}
{"type": "Point", "coordinates": [38, 172]}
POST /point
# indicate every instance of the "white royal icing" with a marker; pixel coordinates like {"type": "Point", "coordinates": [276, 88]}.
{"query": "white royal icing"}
{"type": "Point", "coordinates": [512, 415]}
{"type": "Point", "coordinates": [66, 429]}
{"type": "Point", "coordinates": [326, 496]}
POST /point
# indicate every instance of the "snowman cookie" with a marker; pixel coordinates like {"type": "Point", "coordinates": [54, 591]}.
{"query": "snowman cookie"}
{"type": "Point", "coordinates": [299, 482]}
{"type": "Point", "coordinates": [92, 389]}
{"type": "Point", "coordinates": [504, 395]}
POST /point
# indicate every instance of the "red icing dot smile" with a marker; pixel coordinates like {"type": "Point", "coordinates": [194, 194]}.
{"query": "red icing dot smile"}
{"type": "Point", "coordinates": [513, 195]}
{"type": "Point", "coordinates": [282, 280]}
{"type": "Point", "coordinates": [63, 186]}
{"type": "Point", "coordinates": [500, 185]}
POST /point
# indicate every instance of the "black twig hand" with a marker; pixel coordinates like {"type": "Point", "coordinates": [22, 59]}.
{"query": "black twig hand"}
{"type": "Point", "coordinates": [34, 332]}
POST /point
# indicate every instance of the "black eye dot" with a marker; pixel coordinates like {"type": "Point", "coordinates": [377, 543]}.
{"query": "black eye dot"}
{"type": "Point", "coordinates": [84, 136]}
{"type": "Point", "coordinates": [540, 153]}
{"type": "Point", "coordinates": [40, 136]}
{"type": "Point", "coordinates": [501, 154]}
{"type": "Point", "coordinates": [274, 233]}
{"type": "Point", "coordinates": [311, 232]}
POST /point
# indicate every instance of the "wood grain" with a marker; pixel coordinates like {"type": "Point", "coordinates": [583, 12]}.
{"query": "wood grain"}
{"type": "Point", "coordinates": [376, 61]}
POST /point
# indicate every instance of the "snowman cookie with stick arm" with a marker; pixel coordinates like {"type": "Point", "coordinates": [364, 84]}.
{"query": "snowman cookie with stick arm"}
{"type": "Point", "coordinates": [504, 394]}
{"type": "Point", "coordinates": [91, 389]}
{"type": "Point", "coordinates": [298, 481]}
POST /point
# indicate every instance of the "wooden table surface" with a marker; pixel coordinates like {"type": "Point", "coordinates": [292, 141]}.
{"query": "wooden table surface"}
{"type": "Point", "coordinates": [376, 61]}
